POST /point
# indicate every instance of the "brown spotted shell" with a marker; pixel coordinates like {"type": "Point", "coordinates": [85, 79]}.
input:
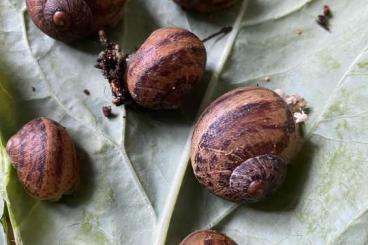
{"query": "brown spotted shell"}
{"type": "Point", "coordinates": [205, 5]}
{"type": "Point", "coordinates": [68, 20]}
{"type": "Point", "coordinates": [45, 158]}
{"type": "Point", "coordinates": [207, 237]}
{"type": "Point", "coordinates": [166, 68]}
{"type": "Point", "coordinates": [242, 142]}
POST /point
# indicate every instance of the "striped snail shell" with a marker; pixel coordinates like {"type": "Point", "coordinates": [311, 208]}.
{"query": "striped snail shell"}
{"type": "Point", "coordinates": [242, 143]}
{"type": "Point", "coordinates": [166, 68]}
{"type": "Point", "coordinates": [45, 159]}
{"type": "Point", "coordinates": [207, 237]}
{"type": "Point", "coordinates": [68, 20]}
{"type": "Point", "coordinates": [205, 5]}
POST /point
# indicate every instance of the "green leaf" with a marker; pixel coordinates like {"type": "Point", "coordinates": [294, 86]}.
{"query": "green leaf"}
{"type": "Point", "coordinates": [136, 186]}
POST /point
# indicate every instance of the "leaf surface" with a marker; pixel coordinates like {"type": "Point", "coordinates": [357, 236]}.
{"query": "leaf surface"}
{"type": "Point", "coordinates": [136, 186]}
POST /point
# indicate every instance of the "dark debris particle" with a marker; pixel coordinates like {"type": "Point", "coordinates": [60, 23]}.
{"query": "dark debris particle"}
{"type": "Point", "coordinates": [107, 111]}
{"type": "Point", "coordinates": [86, 92]}
{"type": "Point", "coordinates": [327, 11]}
{"type": "Point", "coordinates": [323, 19]}
{"type": "Point", "coordinates": [33, 89]}
{"type": "Point", "coordinates": [113, 65]}
{"type": "Point", "coordinates": [323, 22]}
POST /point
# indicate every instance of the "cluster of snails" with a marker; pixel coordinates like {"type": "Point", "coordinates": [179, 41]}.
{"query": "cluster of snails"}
{"type": "Point", "coordinates": [241, 144]}
{"type": "Point", "coordinates": [160, 75]}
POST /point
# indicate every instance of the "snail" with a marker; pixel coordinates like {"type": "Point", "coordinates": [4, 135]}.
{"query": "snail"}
{"type": "Point", "coordinates": [205, 5]}
{"type": "Point", "coordinates": [242, 143]}
{"type": "Point", "coordinates": [164, 70]}
{"type": "Point", "coordinates": [45, 158]}
{"type": "Point", "coordinates": [207, 237]}
{"type": "Point", "coordinates": [68, 20]}
{"type": "Point", "coordinates": [161, 73]}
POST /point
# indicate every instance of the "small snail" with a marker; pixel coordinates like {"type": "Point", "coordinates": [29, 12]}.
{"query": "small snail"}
{"type": "Point", "coordinates": [166, 68]}
{"type": "Point", "coordinates": [161, 73]}
{"type": "Point", "coordinates": [242, 144]}
{"type": "Point", "coordinates": [207, 237]}
{"type": "Point", "coordinates": [205, 5]}
{"type": "Point", "coordinates": [68, 20]}
{"type": "Point", "coordinates": [45, 158]}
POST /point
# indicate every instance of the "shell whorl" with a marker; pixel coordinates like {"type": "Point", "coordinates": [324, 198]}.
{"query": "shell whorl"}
{"type": "Point", "coordinates": [45, 159]}
{"type": "Point", "coordinates": [65, 20]}
{"type": "Point", "coordinates": [166, 68]}
{"type": "Point", "coordinates": [257, 177]}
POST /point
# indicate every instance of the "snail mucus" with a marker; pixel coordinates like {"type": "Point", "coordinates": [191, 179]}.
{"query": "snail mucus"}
{"type": "Point", "coordinates": [161, 73]}
{"type": "Point", "coordinates": [243, 141]}
{"type": "Point", "coordinates": [68, 20]}
{"type": "Point", "coordinates": [206, 237]}
{"type": "Point", "coordinates": [45, 158]}
{"type": "Point", "coordinates": [205, 5]}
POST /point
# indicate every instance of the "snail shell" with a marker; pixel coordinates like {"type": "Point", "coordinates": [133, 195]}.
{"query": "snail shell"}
{"type": "Point", "coordinates": [45, 159]}
{"type": "Point", "coordinates": [68, 20]}
{"type": "Point", "coordinates": [242, 142]}
{"type": "Point", "coordinates": [207, 237]}
{"type": "Point", "coordinates": [205, 5]}
{"type": "Point", "coordinates": [166, 68]}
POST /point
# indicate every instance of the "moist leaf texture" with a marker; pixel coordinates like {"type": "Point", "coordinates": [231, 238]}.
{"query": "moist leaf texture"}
{"type": "Point", "coordinates": [136, 186]}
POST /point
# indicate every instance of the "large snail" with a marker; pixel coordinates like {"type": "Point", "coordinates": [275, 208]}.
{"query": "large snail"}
{"type": "Point", "coordinates": [242, 143]}
{"type": "Point", "coordinates": [68, 20]}
{"type": "Point", "coordinates": [205, 5]}
{"type": "Point", "coordinates": [45, 158]}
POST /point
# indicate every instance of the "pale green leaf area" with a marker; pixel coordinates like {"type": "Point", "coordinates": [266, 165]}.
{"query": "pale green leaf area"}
{"type": "Point", "coordinates": [136, 187]}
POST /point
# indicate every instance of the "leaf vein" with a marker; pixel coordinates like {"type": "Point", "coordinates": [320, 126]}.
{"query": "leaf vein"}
{"type": "Point", "coordinates": [95, 131]}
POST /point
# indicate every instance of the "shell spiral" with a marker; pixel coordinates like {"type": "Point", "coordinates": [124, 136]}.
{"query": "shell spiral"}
{"type": "Point", "coordinates": [205, 5]}
{"type": "Point", "coordinates": [166, 68]}
{"type": "Point", "coordinates": [45, 159]}
{"type": "Point", "coordinates": [241, 143]}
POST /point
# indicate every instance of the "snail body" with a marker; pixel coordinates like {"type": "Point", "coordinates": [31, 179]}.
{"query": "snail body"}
{"type": "Point", "coordinates": [242, 143]}
{"type": "Point", "coordinates": [68, 20]}
{"type": "Point", "coordinates": [207, 237]}
{"type": "Point", "coordinates": [165, 69]}
{"type": "Point", "coordinates": [205, 5]}
{"type": "Point", "coordinates": [45, 158]}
